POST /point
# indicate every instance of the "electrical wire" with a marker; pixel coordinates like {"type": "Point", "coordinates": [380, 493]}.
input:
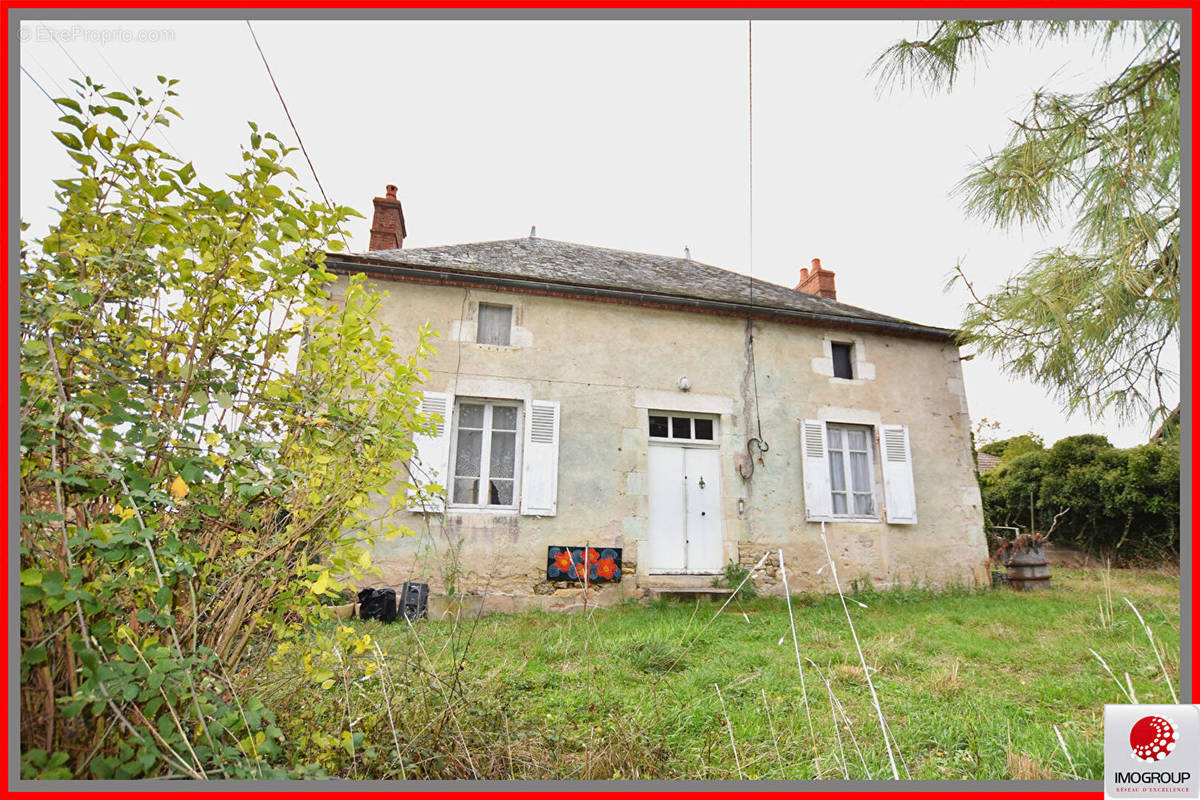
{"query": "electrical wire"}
{"type": "Point", "coordinates": [58, 105]}
{"type": "Point", "coordinates": [291, 122]}
{"type": "Point", "coordinates": [762, 445]}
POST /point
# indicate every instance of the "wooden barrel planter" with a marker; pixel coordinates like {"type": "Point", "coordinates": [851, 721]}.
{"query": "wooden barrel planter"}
{"type": "Point", "coordinates": [1027, 569]}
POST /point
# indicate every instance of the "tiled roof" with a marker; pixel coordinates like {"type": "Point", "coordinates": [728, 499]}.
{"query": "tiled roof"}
{"type": "Point", "coordinates": [569, 264]}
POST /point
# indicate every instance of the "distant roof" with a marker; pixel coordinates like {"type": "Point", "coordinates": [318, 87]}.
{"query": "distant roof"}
{"type": "Point", "coordinates": [566, 264]}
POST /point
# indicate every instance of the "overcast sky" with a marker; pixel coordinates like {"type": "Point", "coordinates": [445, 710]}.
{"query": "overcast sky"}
{"type": "Point", "coordinates": [630, 135]}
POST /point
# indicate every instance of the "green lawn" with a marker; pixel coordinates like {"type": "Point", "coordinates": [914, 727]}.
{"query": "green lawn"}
{"type": "Point", "coordinates": [971, 683]}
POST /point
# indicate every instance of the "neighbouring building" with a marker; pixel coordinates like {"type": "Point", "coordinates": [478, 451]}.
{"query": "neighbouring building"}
{"type": "Point", "coordinates": [672, 415]}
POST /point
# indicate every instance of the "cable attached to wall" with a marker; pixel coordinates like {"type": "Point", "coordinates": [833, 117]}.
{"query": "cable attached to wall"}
{"type": "Point", "coordinates": [755, 443]}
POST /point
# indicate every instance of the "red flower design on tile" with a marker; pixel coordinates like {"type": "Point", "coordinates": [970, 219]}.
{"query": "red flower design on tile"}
{"type": "Point", "coordinates": [588, 558]}
{"type": "Point", "coordinates": [562, 560]}
{"type": "Point", "coordinates": [606, 568]}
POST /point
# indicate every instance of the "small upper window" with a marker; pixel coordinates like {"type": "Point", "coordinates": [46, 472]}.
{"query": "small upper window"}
{"type": "Point", "coordinates": [495, 324]}
{"type": "Point", "coordinates": [843, 359]}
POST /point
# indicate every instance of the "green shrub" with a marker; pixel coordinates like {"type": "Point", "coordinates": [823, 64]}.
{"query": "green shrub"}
{"type": "Point", "coordinates": [1123, 503]}
{"type": "Point", "coordinates": [190, 493]}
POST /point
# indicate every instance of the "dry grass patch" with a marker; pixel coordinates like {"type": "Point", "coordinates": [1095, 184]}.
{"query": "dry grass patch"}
{"type": "Point", "coordinates": [1023, 767]}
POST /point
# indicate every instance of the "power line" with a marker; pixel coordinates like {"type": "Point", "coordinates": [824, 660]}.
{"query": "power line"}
{"type": "Point", "coordinates": [283, 103]}
{"type": "Point", "coordinates": [83, 74]}
{"type": "Point", "coordinates": [50, 33]}
{"type": "Point", "coordinates": [58, 105]}
{"type": "Point", "coordinates": [292, 122]}
{"type": "Point", "coordinates": [750, 104]}
{"type": "Point", "coordinates": [762, 445]}
{"type": "Point", "coordinates": [29, 75]}
{"type": "Point", "coordinates": [160, 130]}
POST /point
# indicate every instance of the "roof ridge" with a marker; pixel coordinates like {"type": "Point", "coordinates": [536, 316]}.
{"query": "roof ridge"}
{"type": "Point", "coordinates": [577, 264]}
{"type": "Point", "coordinates": [398, 252]}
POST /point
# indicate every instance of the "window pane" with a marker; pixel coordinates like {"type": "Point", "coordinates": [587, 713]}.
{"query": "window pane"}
{"type": "Point", "coordinates": [500, 492]}
{"type": "Point", "coordinates": [837, 471]}
{"type": "Point", "coordinates": [835, 437]}
{"type": "Point", "coordinates": [862, 504]}
{"type": "Point", "coordinates": [470, 416]}
{"type": "Point", "coordinates": [857, 438]}
{"type": "Point", "coordinates": [468, 453]}
{"type": "Point", "coordinates": [704, 429]}
{"type": "Point", "coordinates": [658, 426]}
{"type": "Point", "coordinates": [464, 490]}
{"type": "Point", "coordinates": [839, 503]}
{"type": "Point", "coordinates": [860, 477]}
{"type": "Point", "coordinates": [504, 454]}
{"type": "Point", "coordinates": [504, 418]}
{"type": "Point", "coordinates": [495, 324]}
{"type": "Point", "coordinates": [681, 427]}
{"type": "Point", "coordinates": [842, 367]}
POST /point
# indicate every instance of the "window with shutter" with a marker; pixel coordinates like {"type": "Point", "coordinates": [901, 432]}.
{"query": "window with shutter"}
{"type": "Point", "coordinates": [486, 454]}
{"type": "Point", "coordinates": [851, 470]}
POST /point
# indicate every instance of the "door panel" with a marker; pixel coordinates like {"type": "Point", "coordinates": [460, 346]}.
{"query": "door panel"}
{"type": "Point", "coordinates": [668, 540]}
{"type": "Point", "coordinates": [703, 505]}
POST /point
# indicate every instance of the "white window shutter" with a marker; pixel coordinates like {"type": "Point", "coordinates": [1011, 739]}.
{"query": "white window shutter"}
{"type": "Point", "coordinates": [431, 458]}
{"type": "Point", "coordinates": [818, 501]}
{"type": "Point", "coordinates": [898, 489]}
{"type": "Point", "coordinates": [539, 474]}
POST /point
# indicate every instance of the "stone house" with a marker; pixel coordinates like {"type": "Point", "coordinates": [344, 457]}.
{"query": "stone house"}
{"type": "Point", "coordinates": [670, 414]}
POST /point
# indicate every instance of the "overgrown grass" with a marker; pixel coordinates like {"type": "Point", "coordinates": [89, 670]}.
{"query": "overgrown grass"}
{"type": "Point", "coordinates": [971, 683]}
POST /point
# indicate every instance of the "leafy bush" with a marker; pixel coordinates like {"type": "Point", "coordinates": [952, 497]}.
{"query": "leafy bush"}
{"type": "Point", "coordinates": [201, 428]}
{"type": "Point", "coordinates": [1124, 503]}
{"type": "Point", "coordinates": [1014, 446]}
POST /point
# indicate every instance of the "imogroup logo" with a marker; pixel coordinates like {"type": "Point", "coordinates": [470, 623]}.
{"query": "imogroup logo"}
{"type": "Point", "coordinates": [1152, 738]}
{"type": "Point", "coordinates": [1151, 751]}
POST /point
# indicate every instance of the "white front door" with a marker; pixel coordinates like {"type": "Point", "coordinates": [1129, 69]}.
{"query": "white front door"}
{"type": "Point", "coordinates": [685, 510]}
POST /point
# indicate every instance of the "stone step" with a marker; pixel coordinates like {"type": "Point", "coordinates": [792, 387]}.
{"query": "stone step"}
{"type": "Point", "coordinates": [676, 581]}
{"type": "Point", "coordinates": [686, 592]}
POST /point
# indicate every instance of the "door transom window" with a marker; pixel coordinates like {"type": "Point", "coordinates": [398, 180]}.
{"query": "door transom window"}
{"type": "Point", "coordinates": [675, 427]}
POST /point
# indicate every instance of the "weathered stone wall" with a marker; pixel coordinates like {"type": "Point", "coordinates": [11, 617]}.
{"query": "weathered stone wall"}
{"type": "Point", "coordinates": [607, 364]}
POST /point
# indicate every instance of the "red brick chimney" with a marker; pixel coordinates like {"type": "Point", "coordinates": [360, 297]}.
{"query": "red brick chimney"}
{"type": "Point", "coordinates": [387, 228]}
{"type": "Point", "coordinates": [819, 281]}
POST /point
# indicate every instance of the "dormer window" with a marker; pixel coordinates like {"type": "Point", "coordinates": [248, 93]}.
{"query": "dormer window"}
{"type": "Point", "coordinates": [495, 324]}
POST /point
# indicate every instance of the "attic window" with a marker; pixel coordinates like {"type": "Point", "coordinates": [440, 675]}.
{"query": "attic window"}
{"type": "Point", "coordinates": [843, 359]}
{"type": "Point", "coordinates": [495, 324]}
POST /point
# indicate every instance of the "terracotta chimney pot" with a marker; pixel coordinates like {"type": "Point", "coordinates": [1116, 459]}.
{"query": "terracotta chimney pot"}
{"type": "Point", "coordinates": [818, 281]}
{"type": "Point", "coordinates": [387, 227]}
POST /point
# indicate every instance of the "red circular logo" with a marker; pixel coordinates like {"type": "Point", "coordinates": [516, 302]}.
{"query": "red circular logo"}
{"type": "Point", "coordinates": [1152, 738]}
